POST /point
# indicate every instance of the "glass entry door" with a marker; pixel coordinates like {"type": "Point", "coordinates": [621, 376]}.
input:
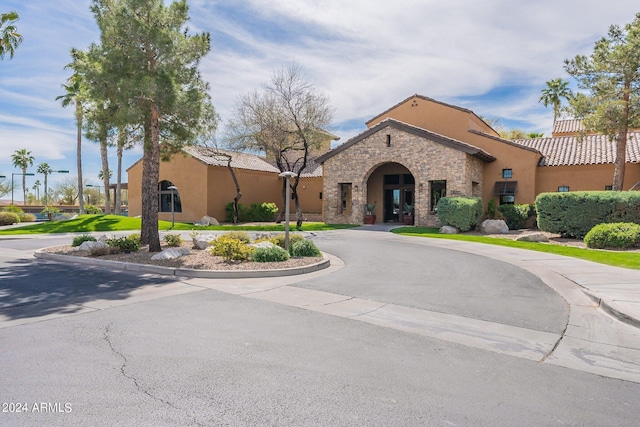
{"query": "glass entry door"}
{"type": "Point", "coordinates": [398, 192]}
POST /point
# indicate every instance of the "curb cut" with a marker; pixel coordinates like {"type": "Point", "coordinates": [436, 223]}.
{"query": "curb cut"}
{"type": "Point", "coordinates": [611, 308]}
{"type": "Point", "coordinates": [186, 272]}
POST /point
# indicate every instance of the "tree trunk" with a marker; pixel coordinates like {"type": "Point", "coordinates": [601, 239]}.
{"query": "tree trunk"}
{"type": "Point", "coordinates": [150, 176]}
{"type": "Point", "coordinates": [24, 186]}
{"type": "Point", "coordinates": [621, 142]}
{"type": "Point", "coordinates": [79, 156]}
{"type": "Point", "coordinates": [294, 192]}
{"type": "Point", "coordinates": [105, 175]}
{"type": "Point", "coordinates": [118, 195]}
{"type": "Point", "coordinates": [238, 192]}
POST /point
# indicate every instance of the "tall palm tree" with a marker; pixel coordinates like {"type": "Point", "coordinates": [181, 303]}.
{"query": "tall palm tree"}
{"type": "Point", "coordinates": [23, 159]}
{"type": "Point", "coordinates": [75, 95]}
{"type": "Point", "coordinates": [9, 36]}
{"type": "Point", "coordinates": [554, 93]}
{"type": "Point", "coordinates": [46, 170]}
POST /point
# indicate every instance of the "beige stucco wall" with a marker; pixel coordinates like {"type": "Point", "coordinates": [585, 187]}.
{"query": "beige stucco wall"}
{"type": "Point", "coordinates": [425, 159]}
{"type": "Point", "coordinates": [583, 177]}
{"type": "Point", "coordinates": [205, 190]}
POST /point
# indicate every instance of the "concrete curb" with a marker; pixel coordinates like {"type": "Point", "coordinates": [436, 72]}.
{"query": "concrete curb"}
{"type": "Point", "coordinates": [613, 308]}
{"type": "Point", "coordinates": [186, 272]}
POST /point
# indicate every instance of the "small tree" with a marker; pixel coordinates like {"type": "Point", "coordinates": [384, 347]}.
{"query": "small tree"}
{"type": "Point", "coordinates": [611, 78]}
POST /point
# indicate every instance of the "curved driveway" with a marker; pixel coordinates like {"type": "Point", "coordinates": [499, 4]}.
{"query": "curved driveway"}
{"type": "Point", "coordinates": [393, 269]}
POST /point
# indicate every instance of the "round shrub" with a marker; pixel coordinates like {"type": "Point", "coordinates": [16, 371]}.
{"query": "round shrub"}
{"type": "Point", "coordinates": [12, 208]}
{"type": "Point", "coordinates": [305, 248]}
{"type": "Point", "coordinates": [620, 235]}
{"type": "Point", "coordinates": [460, 212]}
{"type": "Point", "coordinates": [124, 244]}
{"type": "Point", "coordinates": [26, 217]}
{"type": "Point", "coordinates": [272, 254]}
{"type": "Point", "coordinates": [8, 218]}
{"type": "Point", "coordinates": [279, 239]}
{"type": "Point", "coordinates": [230, 248]}
{"type": "Point", "coordinates": [92, 209]}
{"type": "Point", "coordinates": [173, 239]}
{"type": "Point", "coordinates": [516, 215]}
{"type": "Point", "coordinates": [243, 236]}
{"type": "Point", "coordinates": [78, 240]}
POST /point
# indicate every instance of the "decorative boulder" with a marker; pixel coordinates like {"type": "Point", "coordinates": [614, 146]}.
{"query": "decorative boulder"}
{"type": "Point", "coordinates": [207, 220]}
{"type": "Point", "coordinates": [103, 238]}
{"type": "Point", "coordinates": [533, 237]}
{"type": "Point", "coordinates": [171, 253]}
{"type": "Point", "coordinates": [202, 242]}
{"type": "Point", "coordinates": [494, 226]}
{"type": "Point", "coordinates": [264, 244]}
{"type": "Point", "coordinates": [89, 245]}
{"type": "Point", "coordinates": [448, 229]}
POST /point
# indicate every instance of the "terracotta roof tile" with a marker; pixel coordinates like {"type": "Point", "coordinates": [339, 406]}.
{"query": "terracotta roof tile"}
{"type": "Point", "coordinates": [567, 126]}
{"type": "Point", "coordinates": [238, 160]}
{"type": "Point", "coordinates": [592, 150]}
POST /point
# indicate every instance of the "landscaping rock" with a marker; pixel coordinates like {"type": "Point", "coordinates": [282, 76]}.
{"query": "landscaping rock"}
{"type": "Point", "coordinates": [264, 244]}
{"type": "Point", "coordinates": [494, 226]}
{"type": "Point", "coordinates": [89, 245]}
{"type": "Point", "coordinates": [207, 220]}
{"type": "Point", "coordinates": [202, 242]}
{"type": "Point", "coordinates": [171, 253]}
{"type": "Point", "coordinates": [533, 237]}
{"type": "Point", "coordinates": [449, 229]}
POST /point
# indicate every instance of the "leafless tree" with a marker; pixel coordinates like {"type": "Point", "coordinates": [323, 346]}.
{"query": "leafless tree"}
{"type": "Point", "coordinates": [285, 119]}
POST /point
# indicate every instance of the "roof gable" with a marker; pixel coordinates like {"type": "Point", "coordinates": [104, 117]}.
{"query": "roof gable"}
{"type": "Point", "coordinates": [405, 127]}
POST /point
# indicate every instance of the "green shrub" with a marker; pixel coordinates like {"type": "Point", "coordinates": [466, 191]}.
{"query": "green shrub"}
{"type": "Point", "coordinates": [278, 239]}
{"type": "Point", "coordinates": [8, 218]}
{"type": "Point", "coordinates": [272, 254]}
{"type": "Point", "coordinates": [304, 248]}
{"type": "Point", "coordinates": [619, 235]}
{"type": "Point", "coordinates": [78, 240]}
{"type": "Point", "coordinates": [460, 212]}
{"type": "Point", "coordinates": [124, 244]}
{"type": "Point", "coordinates": [255, 212]}
{"type": "Point", "coordinates": [173, 239]}
{"type": "Point", "coordinates": [135, 237]}
{"type": "Point", "coordinates": [243, 236]}
{"type": "Point", "coordinates": [231, 249]}
{"type": "Point", "coordinates": [12, 208]}
{"type": "Point", "coordinates": [26, 217]}
{"type": "Point", "coordinates": [573, 214]}
{"type": "Point", "coordinates": [492, 211]}
{"type": "Point", "coordinates": [516, 215]}
{"type": "Point", "coordinates": [92, 209]}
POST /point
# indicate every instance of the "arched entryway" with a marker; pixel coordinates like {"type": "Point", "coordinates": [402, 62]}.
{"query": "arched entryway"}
{"type": "Point", "coordinates": [391, 186]}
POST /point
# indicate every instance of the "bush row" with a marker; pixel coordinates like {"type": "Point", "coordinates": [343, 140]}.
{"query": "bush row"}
{"type": "Point", "coordinates": [573, 214]}
{"type": "Point", "coordinates": [255, 212]}
{"type": "Point", "coordinates": [461, 212]}
{"type": "Point", "coordinates": [234, 246]}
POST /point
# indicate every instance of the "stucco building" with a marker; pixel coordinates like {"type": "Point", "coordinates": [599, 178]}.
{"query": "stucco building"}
{"type": "Point", "coordinates": [411, 155]}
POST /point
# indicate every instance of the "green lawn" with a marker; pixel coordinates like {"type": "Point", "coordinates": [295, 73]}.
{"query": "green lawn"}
{"type": "Point", "coordinates": [90, 223]}
{"type": "Point", "coordinates": [615, 258]}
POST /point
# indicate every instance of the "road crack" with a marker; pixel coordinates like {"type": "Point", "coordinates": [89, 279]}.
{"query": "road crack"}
{"type": "Point", "coordinates": [133, 379]}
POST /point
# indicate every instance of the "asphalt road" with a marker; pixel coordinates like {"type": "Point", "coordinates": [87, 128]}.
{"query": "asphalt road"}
{"type": "Point", "coordinates": [206, 357]}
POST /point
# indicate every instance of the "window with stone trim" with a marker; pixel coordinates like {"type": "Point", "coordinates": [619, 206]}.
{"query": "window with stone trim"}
{"type": "Point", "coordinates": [437, 190]}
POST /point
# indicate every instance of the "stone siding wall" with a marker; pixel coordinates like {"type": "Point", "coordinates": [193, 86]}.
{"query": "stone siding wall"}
{"type": "Point", "coordinates": [425, 159]}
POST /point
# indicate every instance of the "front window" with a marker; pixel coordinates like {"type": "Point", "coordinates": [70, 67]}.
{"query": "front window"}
{"type": "Point", "coordinates": [507, 173]}
{"type": "Point", "coordinates": [165, 195]}
{"type": "Point", "coordinates": [563, 189]}
{"type": "Point", "coordinates": [345, 197]}
{"type": "Point", "coordinates": [438, 189]}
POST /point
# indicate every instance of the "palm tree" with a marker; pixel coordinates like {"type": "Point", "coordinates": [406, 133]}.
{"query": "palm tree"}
{"type": "Point", "coordinates": [9, 36]}
{"type": "Point", "coordinates": [46, 170]}
{"type": "Point", "coordinates": [556, 90]}
{"type": "Point", "coordinates": [23, 159]}
{"type": "Point", "coordinates": [36, 188]}
{"type": "Point", "coordinates": [75, 94]}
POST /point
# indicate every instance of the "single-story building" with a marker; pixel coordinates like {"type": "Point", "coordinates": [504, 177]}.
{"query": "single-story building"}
{"type": "Point", "coordinates": [411, 155]}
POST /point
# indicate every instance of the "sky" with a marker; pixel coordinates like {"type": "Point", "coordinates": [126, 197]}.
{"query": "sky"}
{"type": "Point", "coordinates": [491, 56]}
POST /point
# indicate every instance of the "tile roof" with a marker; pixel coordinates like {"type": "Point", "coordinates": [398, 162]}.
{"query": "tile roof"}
{"type": "Point", "coordinates": [567, 126]}
{"type": "Point", "coordinates": [238, 160]}
{"type": "Point", "coordinates": [571, 151]}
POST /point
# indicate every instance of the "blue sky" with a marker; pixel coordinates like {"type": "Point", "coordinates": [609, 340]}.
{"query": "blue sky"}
{"type": "Point", "coordinates": [492, 57]}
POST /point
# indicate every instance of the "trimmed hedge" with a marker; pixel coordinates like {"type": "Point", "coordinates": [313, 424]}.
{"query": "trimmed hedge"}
{"type": "Point", "coordinates": [255, 212]}
{"type": "Point", "coordinates": [620, 235]}
{"type": "Point", "coordinates": [460, 212]}
{"type": "Point", "coordinates": [516, 215]}
{"type": "Point", "coordinates": [573, 214]}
